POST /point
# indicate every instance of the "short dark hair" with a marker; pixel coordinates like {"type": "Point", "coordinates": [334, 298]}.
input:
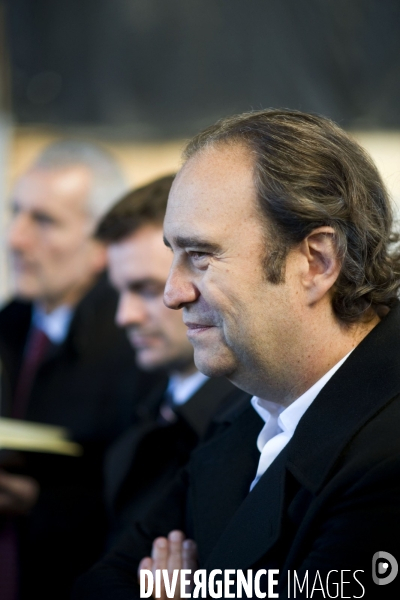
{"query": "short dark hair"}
{"type": "Point", "coordinates": [142, 206]}
{"type": "Point", "coordinates": [309, 173]}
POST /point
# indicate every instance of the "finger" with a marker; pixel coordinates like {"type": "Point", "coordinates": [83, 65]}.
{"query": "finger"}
{"type": "Point", "coordinates": [20, 486]}
{"type": "Point", "coordinates": [189, 555]}
{"type": "Point", "coordinates": [12, 503]}
{"type": "Point", "coordinates": [159, 553]}
{"type": "Point", "coordinates": [175, 541]}
{"type": "Point", "coordinates": [6, 503]}
{"type": "Point", "coordinates": [145, 563]}
{"type": "Point", "coordinates": [4, 480]}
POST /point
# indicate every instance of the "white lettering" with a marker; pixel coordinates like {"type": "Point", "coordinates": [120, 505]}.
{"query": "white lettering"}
{"type": "Point", "coordinates": [170, 589]}
{"type": "Point", "coordinates": [315, 588]}
{"type": "Point", "coordinates": [301, 587]}
{"type": "Point", "coordinates": [272, 583]}
{"type": "Point", "coordinates": [146, 591]}
{"type": "Point", "coordinates": [157, 593]}
{"type": "Point", "coordinates": [247, 585]}
{"type": "Point", "coordinates": [343, 582]}
{"type": "Point", "coordinates": [200, 582]}
{"type": "Point", "coordinates": [335, 585]}
{"type": "Point", "coordinates": [185, 582]}
{"type": "Point", "coordinates": [257, 590]}
{"type": "Point", "coordinates": [215, 587]}
{"type": "Point", "coordinates": [359, 582]}
{"type": "Point", "coordinates": [228, 582]}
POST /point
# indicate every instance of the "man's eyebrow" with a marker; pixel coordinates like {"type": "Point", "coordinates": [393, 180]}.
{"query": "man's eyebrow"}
{"type": "Point", "coordinates": [193, 242]}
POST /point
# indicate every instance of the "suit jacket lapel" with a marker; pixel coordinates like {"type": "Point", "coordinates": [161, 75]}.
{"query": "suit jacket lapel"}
{"type": "Point", "coordinates": [221, 473]}
{"type": "Point", "coordinates": [197, 412]}
{"type": "Point", "coordinates": [120, 456]}
{"type": "Point", "coordinates": [368, 379]}
{"type": "Point", "coordinates": [200, 408]}
{"type": "Point", "coordinates": [256, 525]}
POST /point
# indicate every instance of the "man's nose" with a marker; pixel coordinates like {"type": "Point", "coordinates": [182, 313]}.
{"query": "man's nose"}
{"type": "Point", "coordinates": [19, 233]}
{"type": "Point", "coordinates": [179, 289]}
{"type": "Point", "coordinates": [131, 310]}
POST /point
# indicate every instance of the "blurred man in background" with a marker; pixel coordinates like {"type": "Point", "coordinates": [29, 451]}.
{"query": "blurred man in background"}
{"type": "Point", "coordinates": [172, 419]}
{"type": "Point", "coordinates": [64, 362]}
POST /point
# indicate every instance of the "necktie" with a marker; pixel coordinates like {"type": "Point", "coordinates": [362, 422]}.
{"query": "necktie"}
{"type": "Point", "coordinates": [35, 351]}
{"type": "Point", "coordinates": [167, 415]}
{"type": "Point", "coordinates": [8, 560]}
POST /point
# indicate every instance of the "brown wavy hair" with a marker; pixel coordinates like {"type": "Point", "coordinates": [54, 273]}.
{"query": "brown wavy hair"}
{"type": "Point", "coordinates": [309, 173]}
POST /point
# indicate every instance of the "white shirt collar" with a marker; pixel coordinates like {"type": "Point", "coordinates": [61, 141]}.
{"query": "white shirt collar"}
{"type": "Point", "coordinates": [183, 388]}
{"type": "Point", "coordinates": [281, 422]}
{"type": "Point", "coordinates": [55, 324]}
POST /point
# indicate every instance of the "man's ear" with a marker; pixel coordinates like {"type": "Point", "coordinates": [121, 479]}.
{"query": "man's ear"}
{"type": "Point", "coordinates": [322, 266]}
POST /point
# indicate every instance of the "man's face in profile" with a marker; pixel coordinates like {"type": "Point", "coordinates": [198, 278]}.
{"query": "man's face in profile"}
{"type": "Point", "coordinates": [138, 269]}
{"type": "Point", "coordinates": [237, 321]}
{"type": "Point", "coordinates": [52, 256]}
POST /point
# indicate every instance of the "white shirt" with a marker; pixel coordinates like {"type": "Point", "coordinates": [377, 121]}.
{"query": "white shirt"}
{"type": "Point", "coordinates": [281, 422]}
{"type": "Point", "coordinates": [55, 324]}
{"type": "Point", "coordinates": [183, 388]}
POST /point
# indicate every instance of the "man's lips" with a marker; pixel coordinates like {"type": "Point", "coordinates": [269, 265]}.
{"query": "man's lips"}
{"type": "Point", "coordinates": [20, 264]}
{"type": "Point", "coordinates": [143, 340]}
{"type": "Point", "coordinates": [197, 328]}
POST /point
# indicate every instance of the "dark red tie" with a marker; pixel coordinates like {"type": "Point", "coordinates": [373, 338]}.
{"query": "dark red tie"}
{"type": "Point", "coordinates": [8, 560]}
{"type": "Point", "coordinates": [35, 351]}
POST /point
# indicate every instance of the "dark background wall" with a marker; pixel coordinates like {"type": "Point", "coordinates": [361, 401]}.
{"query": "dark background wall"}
{"type": "Point", "coordinates": [165, 68]}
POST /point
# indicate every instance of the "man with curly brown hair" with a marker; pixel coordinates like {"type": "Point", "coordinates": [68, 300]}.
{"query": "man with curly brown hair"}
{"type": "Point", "coordinates": [286, 271]}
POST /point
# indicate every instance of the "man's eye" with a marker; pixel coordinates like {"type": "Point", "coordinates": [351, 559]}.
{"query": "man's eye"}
{"type": "Point", "coordinates": [43, 219]}
{"type": "Point", "coordinates": [198, 255]}
{"type": "Point", "coordinates": [149, 292]}
{"type": "Point", "coordinates": [199, 260]}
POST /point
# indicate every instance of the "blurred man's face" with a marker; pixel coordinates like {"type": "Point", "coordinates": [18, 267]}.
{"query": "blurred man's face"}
{"type": "Point", "coordinates": [53, 259]}
{"type": "Point", "coordinates": [138, 268]}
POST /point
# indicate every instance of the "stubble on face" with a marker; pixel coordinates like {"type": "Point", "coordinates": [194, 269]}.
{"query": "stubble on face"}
{"type": "Point", "coordinates": [213, 203]}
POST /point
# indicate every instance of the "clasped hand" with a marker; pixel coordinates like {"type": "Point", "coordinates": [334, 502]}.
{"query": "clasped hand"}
{"type": "Point", "coordinates": [172, 552]}
{"type": "Point", "coordinates": [18, 493]}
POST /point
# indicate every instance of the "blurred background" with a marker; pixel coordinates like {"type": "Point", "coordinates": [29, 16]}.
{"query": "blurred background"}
{"type": "Point", "coordinates": [141, 76]}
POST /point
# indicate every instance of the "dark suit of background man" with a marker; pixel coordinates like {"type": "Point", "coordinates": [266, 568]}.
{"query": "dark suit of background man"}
{"type": "Point", "coordinates": [63, 362]}
{"type": "Point", "coordinates": [280, 229]}
{"type": "Point", "coordinates": [170, 421]}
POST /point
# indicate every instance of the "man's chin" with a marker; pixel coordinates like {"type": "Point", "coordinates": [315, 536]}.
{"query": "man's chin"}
{"type": "Point", "coordinates": [163, 363]}
{"type": "Point", "coordinates": [28, 294]}
{"type": "Point", "coordinates": [147, 365]}
{"type": "Point", "coordinates": [149, 360]}
{"type": "Point", "coordinates": [213, 366]}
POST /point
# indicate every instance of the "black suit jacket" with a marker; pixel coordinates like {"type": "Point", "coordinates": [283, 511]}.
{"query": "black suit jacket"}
{"type": "Point", "coordinates": [90, 385]}
{"type": "Point", "coordinates": [144, 460]}
{"type": "Point", "coordinates": [329, 501]}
